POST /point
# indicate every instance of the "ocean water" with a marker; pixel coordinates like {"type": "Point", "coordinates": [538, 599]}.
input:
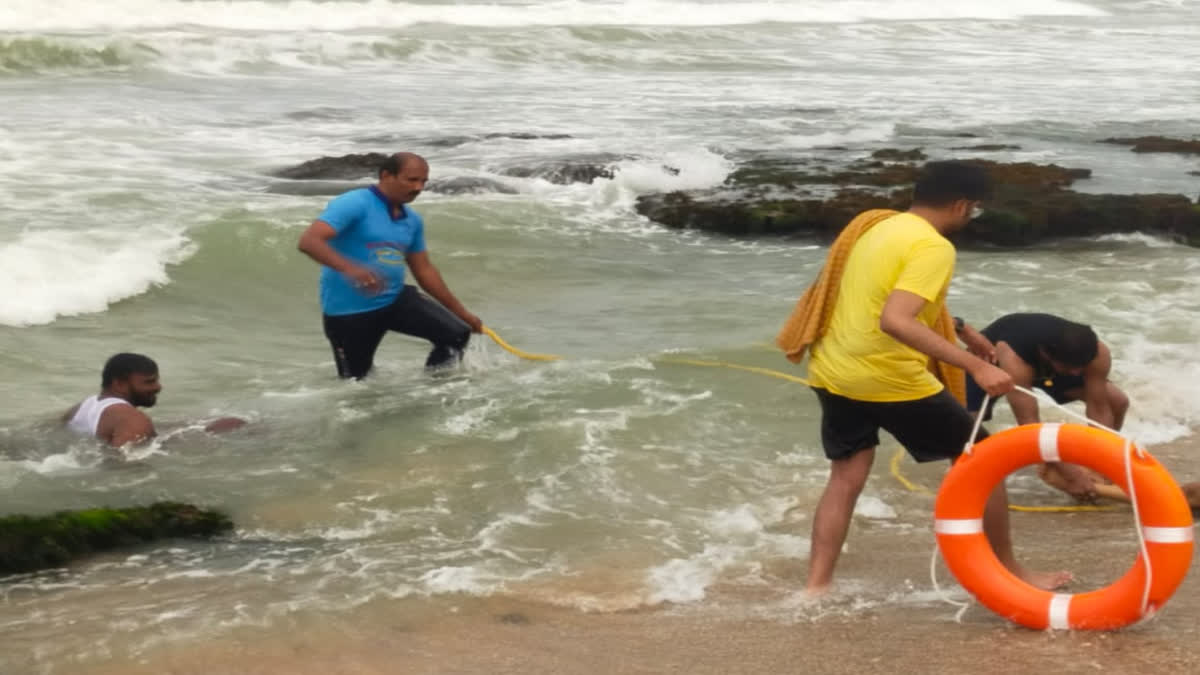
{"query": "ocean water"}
{"type": "Point", "coordinates": [137, 140]}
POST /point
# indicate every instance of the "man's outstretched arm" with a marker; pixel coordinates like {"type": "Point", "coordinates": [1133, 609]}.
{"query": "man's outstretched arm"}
{"type": "Point", "coordinates": [430, 280]}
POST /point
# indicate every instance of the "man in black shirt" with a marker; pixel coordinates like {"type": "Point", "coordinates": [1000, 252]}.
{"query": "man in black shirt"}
{"type": "Point", "coordinates": [1066, 360]}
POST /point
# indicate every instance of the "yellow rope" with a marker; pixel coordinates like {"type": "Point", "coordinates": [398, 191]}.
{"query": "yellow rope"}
{"type": "Point", "coordinates": [896, 458]}
{"type": "Point", "coordinates": [914, 487]}
{"type": "Point", "coordinates": [517, 352]}
{"type": "Point", "coordinates": [749, 369]}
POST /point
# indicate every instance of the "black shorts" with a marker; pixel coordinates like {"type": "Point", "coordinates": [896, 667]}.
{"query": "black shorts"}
{"type": "Point", "coordinates": [931, 428]}
{"type": "Point", "coordinates": [1059, 388]}
{"type": "Point", "coordinates": [355, 337]}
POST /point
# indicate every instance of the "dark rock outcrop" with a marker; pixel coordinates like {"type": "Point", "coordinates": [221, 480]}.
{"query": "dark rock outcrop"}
{"type": "Point", "coordinates": [346, 167]}
{"type": "Point", "coordinates": [1031, 203]}
{"type": "Point", "coordinates": [1158, 144]}
{"type": "Point", "coordinates": [29, 543]}
{"type": "Point", "coordinates": [578, 169]}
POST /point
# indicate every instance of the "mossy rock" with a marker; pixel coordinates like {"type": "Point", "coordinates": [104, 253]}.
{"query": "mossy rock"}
{"type": "Point", "coordinates": [1031, 202]}
{"type": "Point", "coordinates": [29, 543]}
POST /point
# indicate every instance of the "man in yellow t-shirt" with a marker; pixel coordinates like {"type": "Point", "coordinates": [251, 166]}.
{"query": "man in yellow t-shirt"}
{"type": "Point", "coordinates": [870, 367]}
{"type": "Point", "coordinates": [855, 358]}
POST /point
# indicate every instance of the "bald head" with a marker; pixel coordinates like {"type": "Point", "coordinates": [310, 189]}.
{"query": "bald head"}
{"type": "Point", "coordinates": [396, 163]}
{"type": "Point", "coordinates": [402, 177]}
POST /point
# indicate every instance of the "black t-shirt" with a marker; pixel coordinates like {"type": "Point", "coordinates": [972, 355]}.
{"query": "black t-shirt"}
{"type": "Point", "coordinates": [1024, 333]}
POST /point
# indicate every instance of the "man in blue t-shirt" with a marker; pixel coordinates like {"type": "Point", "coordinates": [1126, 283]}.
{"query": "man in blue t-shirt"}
{"type": "Point", "coordinates": [364, 239]}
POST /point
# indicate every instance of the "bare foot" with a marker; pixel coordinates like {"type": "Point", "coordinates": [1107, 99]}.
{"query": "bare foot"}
{"type": "Point", "coordinates": [1047, 581]}
{"type": "Point", "coordinates": [814, 592]}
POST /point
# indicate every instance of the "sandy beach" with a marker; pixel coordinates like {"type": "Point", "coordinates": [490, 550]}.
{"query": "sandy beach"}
{"type": "Point", "coordinates": [886, 619]}
{"type": "Point", "coordinates": [496, 636]}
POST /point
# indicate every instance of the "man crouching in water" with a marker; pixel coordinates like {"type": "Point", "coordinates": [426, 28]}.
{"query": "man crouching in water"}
{"type": "Point", "coordinates": [127, 383]}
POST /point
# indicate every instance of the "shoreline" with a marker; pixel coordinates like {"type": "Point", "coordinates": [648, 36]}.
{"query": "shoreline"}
{"type": "Point", "coordinates": [506, 637]}
{"type": "Point", "coordinates": [753, 618]}
{"type": "Point", "coordinates": [883, 616]}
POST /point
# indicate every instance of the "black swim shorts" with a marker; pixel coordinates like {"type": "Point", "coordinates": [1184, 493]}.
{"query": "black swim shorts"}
{"type": "Point", "coordinates": [931, 428]}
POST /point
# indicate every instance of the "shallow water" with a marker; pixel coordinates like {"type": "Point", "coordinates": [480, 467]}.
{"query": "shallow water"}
{"type": "Point", "coordinates": [137, 140]}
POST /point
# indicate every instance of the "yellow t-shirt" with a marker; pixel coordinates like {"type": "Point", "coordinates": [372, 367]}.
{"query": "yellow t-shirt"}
{"type": "Point", "coordinates": [854, 358]}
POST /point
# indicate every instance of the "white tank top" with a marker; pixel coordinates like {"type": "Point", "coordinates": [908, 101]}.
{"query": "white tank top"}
{"type": "Point", "coordinates": [87, 417]}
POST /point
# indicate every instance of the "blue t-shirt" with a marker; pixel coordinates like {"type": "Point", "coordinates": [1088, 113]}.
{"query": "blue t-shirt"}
{"type": "Point", "coordinates": [368, 235]}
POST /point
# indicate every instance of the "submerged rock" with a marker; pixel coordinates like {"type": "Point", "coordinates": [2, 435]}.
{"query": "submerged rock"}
{"type": "Point", "coordinates": [468, 185]}
{"type": "Point", "coordinates": [1158, 144]}
{"type": "Point", "coordinates": [987, 147]}
{"type": "Point", "coordinates": [453, 141]}
{"type": "Point", "coordinates": [580, 169]}
{"type": "Point", "coordinates": [346, 167]}
{"type": "Point", "coordinates": [894, 155]}
{"type": "Point", "coordinates": [29, 543]}
{"type": "Point", "coordinates": [1032, 202]}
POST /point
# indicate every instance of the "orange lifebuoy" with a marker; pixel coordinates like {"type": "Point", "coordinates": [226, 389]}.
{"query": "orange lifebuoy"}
{"type": "Point", "coordinates": [1166, 523]}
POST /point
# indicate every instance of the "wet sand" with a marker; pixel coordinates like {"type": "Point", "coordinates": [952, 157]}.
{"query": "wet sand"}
{"type": "Point", "coordinates": [735, 629]}
{"type": "Point", "coordinates": [885, 617]}
{"type": "Point", "coordinates": [506, 637]}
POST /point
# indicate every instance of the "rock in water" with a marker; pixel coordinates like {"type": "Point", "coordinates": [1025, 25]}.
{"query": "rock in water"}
{"type": "Point", "coordinates": [345, 167]}
{"type": "Point", "coordinates": [780, 196]}
{"type": "Point", "coordinates": [29, 543]}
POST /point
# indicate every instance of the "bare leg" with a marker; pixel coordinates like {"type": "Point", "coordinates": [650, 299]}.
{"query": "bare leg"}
{"type": "Point", "coordinates": [831, 522]}
{"type": "Point", "coordinates": [1120, 405]}
{"type": "Point", "coordinates": [997, 528]}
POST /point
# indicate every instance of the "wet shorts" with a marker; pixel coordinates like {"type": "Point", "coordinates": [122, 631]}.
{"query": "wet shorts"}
{"type": "Point", "coordinates": [931, 428]}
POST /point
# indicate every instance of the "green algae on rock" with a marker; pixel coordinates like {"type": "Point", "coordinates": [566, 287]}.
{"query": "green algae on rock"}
{"type": "Point", "coordinates": [777, 196]}
{"type": "Point", "coordinates": [29, 543]}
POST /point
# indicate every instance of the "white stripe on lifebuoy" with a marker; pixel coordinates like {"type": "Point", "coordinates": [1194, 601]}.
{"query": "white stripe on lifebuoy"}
{"type": "Point", "coordinates": [958, 525]}
{"type": "Point", "coordinates": [1048, 442]}
{"type": "Point", "coordinates": [1060, 607]}
{"type": "Point", "coordinates": [1168, 535]}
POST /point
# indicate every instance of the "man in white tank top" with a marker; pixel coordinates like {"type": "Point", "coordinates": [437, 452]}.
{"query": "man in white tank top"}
{"type": "Point", "coordinates": [128, 382]}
